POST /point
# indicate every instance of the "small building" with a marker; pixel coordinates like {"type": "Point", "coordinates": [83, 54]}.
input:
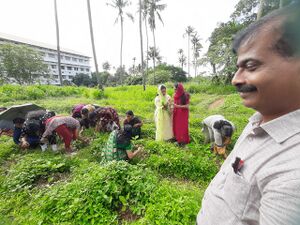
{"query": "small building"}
{"type": "Point", "coordinates": [72, 62]}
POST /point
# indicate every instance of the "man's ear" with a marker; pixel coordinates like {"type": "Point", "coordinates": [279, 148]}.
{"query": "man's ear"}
{"type": "Point", "coordinates": [217, 125]}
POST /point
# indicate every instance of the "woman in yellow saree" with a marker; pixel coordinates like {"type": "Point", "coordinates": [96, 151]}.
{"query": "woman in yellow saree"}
{"type": "Point", "coordinates": [163, 115]}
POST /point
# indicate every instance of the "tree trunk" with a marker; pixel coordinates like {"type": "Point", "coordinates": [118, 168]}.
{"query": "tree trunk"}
{"type": "Point", "coordinates": [189, 40]}
{"type": "Point", "coordinates": [195, 58]}
{"type": "Point", "coordinates": [261, 9]}
{"type": "Point", "coordinates": [92, 36]}
{"type": "Point", "coordinates": [121, 52]}
{"type": "Point", "coordinates": [141, 41]}
{"type": "Point", "coordinates": [154, 55]}
{"type": "Point", "coordinates": [121, 49]}
{"type": "Point", "coordinates": [214, 68]}
{"type": "Point", "coordinates": [147, 45]}
{"type": "Point", "coordinates": [57, 43]}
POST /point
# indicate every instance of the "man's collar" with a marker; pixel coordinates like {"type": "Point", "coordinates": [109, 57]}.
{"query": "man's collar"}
{"type": "Point", "coordinates": [281, 128]}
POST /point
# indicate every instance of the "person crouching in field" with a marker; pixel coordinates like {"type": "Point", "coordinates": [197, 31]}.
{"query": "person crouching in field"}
{"type": "Point", "coordinates": [66, 127]}
{"type": "Point", "coordinates": [26, 133]}
{"type": "Point", "coordinates": [162, 115]}
{"type": "Point", "coordinates": [218, 131]}
{"type": "Point", "coordinates": [181, 115]}
{"type": "Point", "coordinates": [104, 119]}
{"type": "Point", "coordinates": [119, 146]}
{"type": "Point", "coordinates": [135, 122]}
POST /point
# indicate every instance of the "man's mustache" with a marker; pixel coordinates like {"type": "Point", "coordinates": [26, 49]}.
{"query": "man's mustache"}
{"type": "Point", "coordinates": [245, 88]}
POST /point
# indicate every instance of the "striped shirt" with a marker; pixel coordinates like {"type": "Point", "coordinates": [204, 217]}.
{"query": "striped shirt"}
{"type": "Point", "coordinates": [57, 121]}
{"type": "Point", "coordinates": [266, 191]}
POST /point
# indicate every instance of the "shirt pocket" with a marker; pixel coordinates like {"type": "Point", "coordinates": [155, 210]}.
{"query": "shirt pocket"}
{"type": "Point", "coordinates": [236, 193]}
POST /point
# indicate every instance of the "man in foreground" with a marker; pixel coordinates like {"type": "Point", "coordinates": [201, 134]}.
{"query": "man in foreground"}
{"type": "Point", "coordinates": [259, 182]}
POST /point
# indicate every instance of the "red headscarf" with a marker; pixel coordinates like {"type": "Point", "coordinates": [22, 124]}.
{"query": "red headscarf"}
{"type": "Point", "coordinates": [179, 92]}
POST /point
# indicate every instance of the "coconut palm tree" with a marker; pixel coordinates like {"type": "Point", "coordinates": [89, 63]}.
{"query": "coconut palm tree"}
{"type": "Point", "coordinates": [197, 46]}
{"type": "Point", "coordinates": [92, 35]}
{"type": "Point", "coordinates": [120, 5]}
{"type": "Point", "coordinates": [57, 43]}
{"type": "Point", "coordinates": [141, 42]}
{"type": "Point", "coordinates": [153, 54]}
{"type": "Point", "coordinates": [145, 12]}
{"type": "Point", "coordinates": [189, 31]}
{"type": "Point", "coordinates": [154, 11]}
{"type": "Point", "coordinates": [181, 58]}
{"type": "Point", "coordinates": [106, 66]}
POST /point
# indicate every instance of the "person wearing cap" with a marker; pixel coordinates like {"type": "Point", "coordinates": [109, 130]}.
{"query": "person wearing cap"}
{"type": "Point", "coordinates": [259, 182]}
{"type": "Point", "coordinates": [135, 122]}
{"type": "Point", "coordinates": [218, 131]}
{"type": "Point", "coordinates": [119, 146]}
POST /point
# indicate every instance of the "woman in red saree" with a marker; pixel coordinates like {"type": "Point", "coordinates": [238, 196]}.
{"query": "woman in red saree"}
{"type": "Point", "coordinates": [181, 115]}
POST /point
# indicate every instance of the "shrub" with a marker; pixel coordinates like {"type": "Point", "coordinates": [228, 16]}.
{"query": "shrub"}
{"type": "Point", "coordinates": [97, 194]}
{"type": "Point", "coordinates": [172, 203]}
{"type": "Point", "coordinates": [31, 168]}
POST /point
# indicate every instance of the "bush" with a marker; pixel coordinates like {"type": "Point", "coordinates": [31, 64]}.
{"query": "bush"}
{"type": "Point", "coordinates": [172, 204]}
{"type": "Point", "coordinates": [160, 77]}
{"type": "Point", "coordinates": [31, 169]}
{"type": "Point", "coordinates": [171, 161]}
{"type": "Point", "coordinates": [96, 195]}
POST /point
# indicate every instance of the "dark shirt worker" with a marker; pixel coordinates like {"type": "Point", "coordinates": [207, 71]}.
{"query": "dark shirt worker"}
{"type": "Point", "coordinates": [135, 122]}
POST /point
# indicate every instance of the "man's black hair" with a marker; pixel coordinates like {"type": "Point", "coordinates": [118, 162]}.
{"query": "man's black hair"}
{"type": "Point", "coordinates": [130, 113]}
{"type": "Point", "coordinates": [288, 45]}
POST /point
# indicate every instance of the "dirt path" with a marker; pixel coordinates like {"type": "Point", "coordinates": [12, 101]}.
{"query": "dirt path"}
{"type": "Point", "coordinates": [216, 103]}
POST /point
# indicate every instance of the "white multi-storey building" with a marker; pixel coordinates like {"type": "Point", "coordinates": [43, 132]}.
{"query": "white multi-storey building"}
{"type": "Point", "coordinates": [72, 62]}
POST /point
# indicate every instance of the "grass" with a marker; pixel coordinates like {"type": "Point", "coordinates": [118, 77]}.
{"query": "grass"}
{"type": "Point", "coordinates": [164, 186]}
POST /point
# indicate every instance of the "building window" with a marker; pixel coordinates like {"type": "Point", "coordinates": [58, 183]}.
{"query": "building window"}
{"type": "Point", "coordinates": [53, 66]}
{"type": "Point", "coordinates": [61, 57]}
{"type": "Point", "coordinates": [64, 76]}
{"type": "Point", "coordinates": [74, 59]}
{"type": "Point", "coordinates": [69, 68]}
{"type": "Point", "coordinates": [80, 60]}
{"type": "Point", "coordinates": [62, 67]}
{"type": "Point", "coordinates": [76, 68]}
{"type": "Point", "coordinates": [85, 61]}
{"type": "Point", "coordinates": [70, 77]}
{"type": "Point", "coordinates": [81, 69]}
{"type": "Point", "coordinates": [68, 58]}
{"type": "Point", "coordinates": [55, 76]}
{"type": "Point", "coordinates": [87, 70]}
{"type": "Point", "coordinates": [51, 55]}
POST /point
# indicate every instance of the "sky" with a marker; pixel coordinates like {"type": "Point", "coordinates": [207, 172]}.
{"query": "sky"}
{"type": "Point", "coordinates": [34, 19]}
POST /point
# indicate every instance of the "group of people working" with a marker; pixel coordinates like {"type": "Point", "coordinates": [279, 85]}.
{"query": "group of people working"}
{"type": "Point", "coordinates": [171, 119]}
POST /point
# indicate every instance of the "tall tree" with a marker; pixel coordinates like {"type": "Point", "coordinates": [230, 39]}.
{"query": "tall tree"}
{"type": "Point", "coordinates": [92, 35]}
{"type": "Point", "coordinates": [57, 43]}
{"type": "Point", "coordinates": [145, 12]}
{"type": "Point", "coordinates": [197, 46]}
{"type": "Point", "coordinates": [189, 31]}
{"type": "Point", "coordinates": [106, 66]}
{"type": "Point", "coordinates": [153, 54]}
{"type": "Point", "coordinates": [21, 64]}
{"type": "Point", "coordinates": [154, 11]}
{"type": "Point", "coordinates": [141, 42]}
{"type": "Point", "coordinates": [120, 5]}
{"type": "Point", "coordinates": [181, 58]}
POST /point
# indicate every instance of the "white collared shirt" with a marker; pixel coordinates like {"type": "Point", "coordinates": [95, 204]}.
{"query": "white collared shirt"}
{"type": "Point", "coordinates": [267, 189]}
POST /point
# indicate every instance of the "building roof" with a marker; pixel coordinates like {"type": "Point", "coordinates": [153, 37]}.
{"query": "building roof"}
{"type": "Point", "coordinates": [9, 37]}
